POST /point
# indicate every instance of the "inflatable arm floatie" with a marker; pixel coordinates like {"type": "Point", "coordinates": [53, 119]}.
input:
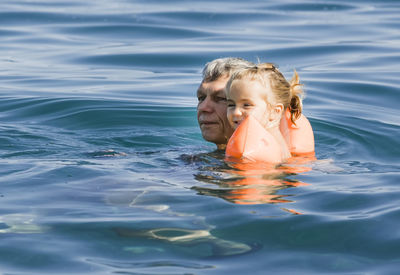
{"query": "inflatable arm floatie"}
{"type": "Point", "coordinates": [251, 142]}
{"type": "Point", "coordinates": [299, 137]}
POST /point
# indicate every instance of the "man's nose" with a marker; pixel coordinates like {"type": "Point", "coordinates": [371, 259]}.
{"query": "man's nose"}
{"type": "Point", "coordinates": [206, 105]}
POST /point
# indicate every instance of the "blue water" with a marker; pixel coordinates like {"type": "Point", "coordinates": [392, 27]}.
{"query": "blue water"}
{"type": "Point", "coordinates": [103, 169]}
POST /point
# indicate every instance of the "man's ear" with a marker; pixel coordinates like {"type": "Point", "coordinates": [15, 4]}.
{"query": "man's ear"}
{"type": "Point", "coordinates": [276, 112]}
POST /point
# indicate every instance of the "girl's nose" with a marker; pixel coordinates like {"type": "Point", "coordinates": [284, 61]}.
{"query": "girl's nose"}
{"type": "Point", "coordinates": [237, 112]}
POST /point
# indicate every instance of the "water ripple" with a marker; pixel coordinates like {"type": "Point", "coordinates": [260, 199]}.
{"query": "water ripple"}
{"type": "Point", "coordinates": [104, 170]}
{"type": "Point", "coordinates": [152, 265]}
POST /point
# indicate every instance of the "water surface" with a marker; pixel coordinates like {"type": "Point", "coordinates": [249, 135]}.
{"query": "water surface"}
{"type": "Point", "coordinates": [103, 168]}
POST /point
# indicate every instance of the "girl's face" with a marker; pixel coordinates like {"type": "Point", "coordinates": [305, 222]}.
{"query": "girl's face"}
{"type": "Point", "coordinates": [248, 97]}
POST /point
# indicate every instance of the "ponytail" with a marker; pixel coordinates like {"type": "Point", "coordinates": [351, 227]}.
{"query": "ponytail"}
{"type": "Point", "coordinates": [296, 93]}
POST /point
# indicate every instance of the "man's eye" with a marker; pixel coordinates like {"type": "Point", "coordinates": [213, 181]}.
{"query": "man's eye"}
{"type": "Point", "coordinates": [220, 98]}
{"type": "Point", "coordinates": [201, 98]}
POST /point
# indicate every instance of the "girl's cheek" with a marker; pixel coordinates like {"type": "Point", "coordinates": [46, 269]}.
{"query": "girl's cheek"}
{"type": "Point", "coordinates": [250, 112]}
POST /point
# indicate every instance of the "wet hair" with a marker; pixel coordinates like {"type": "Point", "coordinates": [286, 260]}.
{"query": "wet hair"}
{"type": "Point", "coordinates": [290, 94]}
{"type": "Point", "coordinates": [224, 67]}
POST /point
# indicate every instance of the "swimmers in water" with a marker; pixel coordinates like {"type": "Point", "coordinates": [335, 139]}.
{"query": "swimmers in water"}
{"type": "Point", "coordinates": [263, 92]}
{"type": "Point", "coordinates": [212, 109]}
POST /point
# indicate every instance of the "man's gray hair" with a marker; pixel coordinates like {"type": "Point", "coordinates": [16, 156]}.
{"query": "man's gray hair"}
{"type": "Point", "coordinates": [224, 67]}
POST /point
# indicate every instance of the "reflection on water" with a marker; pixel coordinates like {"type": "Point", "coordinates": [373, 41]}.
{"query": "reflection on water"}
{"type": "Point", "coordinates": [239, 183]}
{"type": "Point", "coordinates": [21, 224]}
{"type": "Point", "coordinates": [249, 183]}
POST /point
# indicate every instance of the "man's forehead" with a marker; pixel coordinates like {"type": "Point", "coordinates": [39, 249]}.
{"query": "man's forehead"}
{"type": "Point", "coordinates": [217, 86]}
{"type": "Point", "coordinates": [210, 89]}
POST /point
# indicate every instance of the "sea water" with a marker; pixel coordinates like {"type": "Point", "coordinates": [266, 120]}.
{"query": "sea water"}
{"type": "Point", "coordinates": [103, 169]}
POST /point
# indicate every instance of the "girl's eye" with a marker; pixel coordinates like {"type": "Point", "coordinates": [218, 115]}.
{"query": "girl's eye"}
{"type": "Point", "coordinates": [247, 105]}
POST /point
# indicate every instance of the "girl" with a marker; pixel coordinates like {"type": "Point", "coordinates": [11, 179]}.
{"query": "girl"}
{"type": "Point", "coordinates": [263, 92]}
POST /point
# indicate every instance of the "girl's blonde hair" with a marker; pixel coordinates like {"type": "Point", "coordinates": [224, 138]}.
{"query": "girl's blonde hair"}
{"type": "Point", "coordinates": [289, 94]}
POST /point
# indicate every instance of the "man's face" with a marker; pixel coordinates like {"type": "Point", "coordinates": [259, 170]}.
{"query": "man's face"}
{"type": "Point", "coordinates": [211, 112]}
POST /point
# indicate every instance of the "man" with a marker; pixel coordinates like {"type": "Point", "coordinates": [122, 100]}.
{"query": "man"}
{"type": "Point", "coordinates": [211, 108]}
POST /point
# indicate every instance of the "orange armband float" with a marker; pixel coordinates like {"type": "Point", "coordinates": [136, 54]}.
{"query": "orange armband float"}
{"type": "Point", "coordinates": [299, 137]}
{"type": "Point", "coordinates": [251, 142]}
